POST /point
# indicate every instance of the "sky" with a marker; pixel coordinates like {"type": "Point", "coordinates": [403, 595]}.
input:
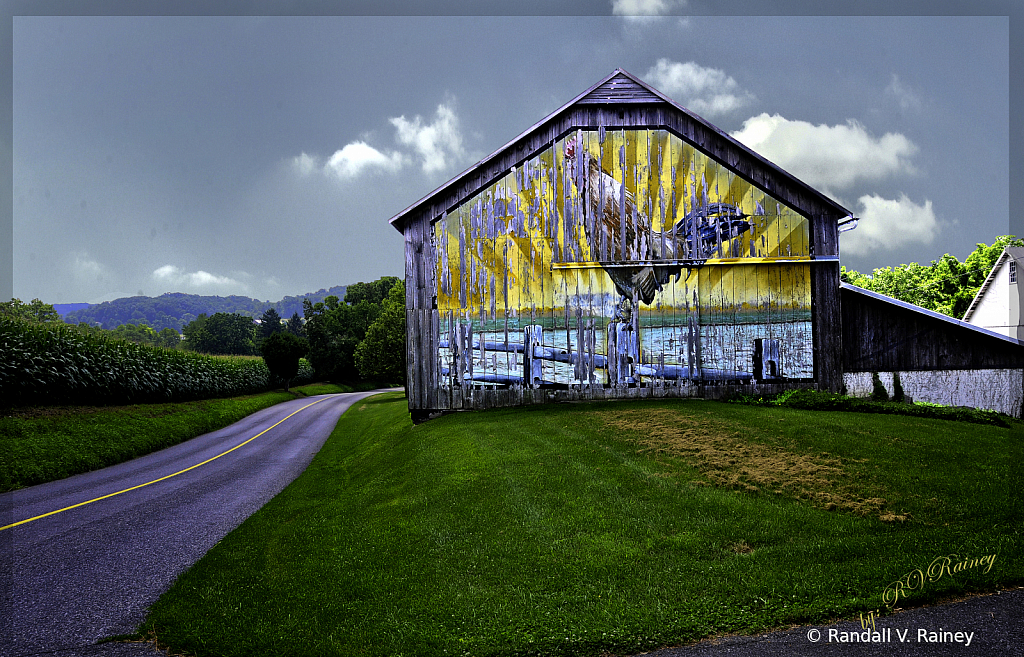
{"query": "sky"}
{"type": "Point", "coordinates": [264, 156]}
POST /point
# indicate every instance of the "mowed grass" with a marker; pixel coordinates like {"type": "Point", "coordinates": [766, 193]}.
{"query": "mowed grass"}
{"type": "Point", "coordinates": [46, 443]}
{"type": "Point", "coordinates": [589, 529]}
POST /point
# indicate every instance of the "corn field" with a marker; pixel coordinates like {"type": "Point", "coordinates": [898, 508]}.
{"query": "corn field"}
{"type": "Point", "coordinates": [47, 364]}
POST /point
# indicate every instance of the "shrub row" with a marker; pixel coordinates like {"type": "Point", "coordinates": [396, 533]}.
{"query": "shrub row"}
{"type": "Point", "coordinates": [814, 400]}
{"type": "Point", "coordinates": [46, 364]}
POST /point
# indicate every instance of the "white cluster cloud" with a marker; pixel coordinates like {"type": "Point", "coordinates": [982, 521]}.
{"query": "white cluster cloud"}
{"type": "Point", "coordinates": [350, 161]}
{"type": "Point", "coordinates": [645, 7]}
{"type": "Point", "coordinates": [829, 158]}
{"type": "Point", "coordinates": [706, 91]}
{"type": "Point", "coordinates": [438, 143]}
{"type": "Point", "coordinates": [887, 224]}
{"type": "Point", "coordinates": [175, 277]}
{"type": "Point", "coordinates": [354, 158]}
{"type": "Point", "coordinates": [837, 158]}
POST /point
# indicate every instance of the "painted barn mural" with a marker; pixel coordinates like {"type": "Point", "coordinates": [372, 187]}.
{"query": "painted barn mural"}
{"type": "Point", "coordinates": [621, 257]}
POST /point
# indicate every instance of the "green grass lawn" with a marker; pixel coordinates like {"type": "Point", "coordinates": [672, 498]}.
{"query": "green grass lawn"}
{"type": "Point", "coordinates": [47, 443]}
{"type": "Point", "coordinates": [597, 528]}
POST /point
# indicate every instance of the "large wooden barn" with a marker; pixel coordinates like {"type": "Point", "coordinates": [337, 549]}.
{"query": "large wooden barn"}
{"type": "Point", "coordinates": [621, 247]}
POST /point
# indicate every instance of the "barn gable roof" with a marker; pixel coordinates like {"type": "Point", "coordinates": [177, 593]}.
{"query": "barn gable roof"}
{"type": "Point", "coordinates": [622, 89]}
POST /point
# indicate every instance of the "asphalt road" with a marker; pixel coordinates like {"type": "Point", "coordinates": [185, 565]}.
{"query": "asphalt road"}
{"type": "Point", "coordinates": [89, 572]}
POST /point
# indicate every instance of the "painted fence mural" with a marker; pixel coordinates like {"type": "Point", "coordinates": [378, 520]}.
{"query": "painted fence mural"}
{"type": "Point", "coordinates": [622, 257]}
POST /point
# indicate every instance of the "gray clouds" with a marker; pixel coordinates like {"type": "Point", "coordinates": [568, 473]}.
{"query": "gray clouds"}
{"type": "Point", "coordinates": [264, 156]}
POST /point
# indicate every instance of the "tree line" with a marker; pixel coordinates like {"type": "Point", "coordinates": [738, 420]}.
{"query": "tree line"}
{"type": "Point", "coordinates": [946, 285]}
{"type": "Point", "coordinates": [176, 309]}
{"type": "Point", "coordinates": [360, 337]}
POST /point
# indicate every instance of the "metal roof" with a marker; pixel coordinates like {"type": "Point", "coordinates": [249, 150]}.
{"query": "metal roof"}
{"type": "Point", "coordinates": [617, 88]}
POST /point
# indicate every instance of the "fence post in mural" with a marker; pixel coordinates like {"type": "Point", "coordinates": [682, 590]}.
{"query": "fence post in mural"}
{"type": "Point", "coordinates": [464, 355]}
{"type": "Point", "coordinates": [766, 359]}
{"type": "Point", "coordinates": [689, 349]}
{"type": "Point", "coordinates": [533, 372]}
{"type": "Point", "coordinates": [623, 353]}
{"type": "Point", "coordinates": [583, 367]}
{"type": "Point", "coordinates": [470, 354]}
{"type": "Point", "coordinates": [693, 349]}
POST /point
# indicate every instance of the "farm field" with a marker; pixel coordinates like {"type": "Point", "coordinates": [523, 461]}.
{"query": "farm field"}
{"type": "Point", "coordinates": [46, 443]}
{"type": "Point", "coordinates": [600, 528]}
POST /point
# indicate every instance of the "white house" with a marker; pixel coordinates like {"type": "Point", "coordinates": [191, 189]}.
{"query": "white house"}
{"type": "Point", "coordinates": [997, 306]}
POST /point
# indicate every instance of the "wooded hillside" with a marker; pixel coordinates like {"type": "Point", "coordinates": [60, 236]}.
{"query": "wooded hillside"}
{"type": "Point", "coordinates": [176, 309]}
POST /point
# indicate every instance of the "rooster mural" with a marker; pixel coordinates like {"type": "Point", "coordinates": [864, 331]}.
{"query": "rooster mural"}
{"type": "Point", "coordinates": [618, 230]}
{"type": "Point", "coordinates": [597, 227]}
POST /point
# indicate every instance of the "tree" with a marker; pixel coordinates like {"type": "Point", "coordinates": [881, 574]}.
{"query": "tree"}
{"type": "Point", "coordinates": [195, 334]}
{"type": "Point", "coordinates": [381, 354]}
{"type": "Point", "coordinates": [333, 337]}
{"type": "Point", "coordinates": [142, 334]}
{"type": "Point", "coordinates": [34, 311]}
{"type": "Point", "coordinates": [169, 338]}
{"type": "Point", "coordinates": [374, 292]}
{"type": "Point", "coordinates": [223, 333]}
{"type": "Point", "coordinates": [294, 326]}
{"type": "Point", "coordinates": [946, 285]}
{"type": "Point", "coordinates": [334, 329]}
{"type": "Point", "coordinates": [139, 333]}
{"type": "Point", "coordinates": [281, 352]}
{"type": "Point", "coordinates": [270, 323]}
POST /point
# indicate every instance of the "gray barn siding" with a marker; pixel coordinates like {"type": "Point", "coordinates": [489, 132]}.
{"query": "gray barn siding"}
{"type": "Point", "coordinates": [759, 171]}
{"type": "Point", "coordinates": [886, 336]}
{"type": "Point", "coordinates": [616, 105]}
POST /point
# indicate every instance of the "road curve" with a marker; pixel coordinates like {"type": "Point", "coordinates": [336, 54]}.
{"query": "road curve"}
{"type": "Point", "coordinates": [73, 577]}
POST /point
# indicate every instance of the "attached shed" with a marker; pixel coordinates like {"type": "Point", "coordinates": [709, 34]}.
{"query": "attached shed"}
{"type": "Point", "coordinates": [939, 359]}
{"type": "Point", "coordinates": [621, 247]}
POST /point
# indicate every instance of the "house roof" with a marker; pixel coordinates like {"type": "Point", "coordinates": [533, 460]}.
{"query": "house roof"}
{"type": "Point", "coordinates": [1015, 252]}
{"type": "Point", "coordinates": [620, 88]}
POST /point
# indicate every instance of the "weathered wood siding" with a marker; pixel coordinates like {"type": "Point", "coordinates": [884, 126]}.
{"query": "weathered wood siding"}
{"type": "Point", "coordinates": [887, 336]}
{"type": "Point", "coordinates": [828, 345]}
{"type": "Point", "coordinates": [620, 248]}
{"type": "Point", "coordinates": [715, 143]}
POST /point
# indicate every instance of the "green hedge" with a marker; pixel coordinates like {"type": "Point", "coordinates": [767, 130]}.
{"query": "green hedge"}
{"type": "Point", "coordinates": [813, 400]}
{"type": "Point", "coordinates": [46, 364]}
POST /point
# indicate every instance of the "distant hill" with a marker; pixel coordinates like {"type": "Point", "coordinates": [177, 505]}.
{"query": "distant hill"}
{"type": "Point", "coordinates": [176, 309]}
{"type": "Point", "coordinates": [65, 308]}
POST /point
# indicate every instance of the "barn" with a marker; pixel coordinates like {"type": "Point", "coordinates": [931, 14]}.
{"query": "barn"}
{"type": "Point", "coordinates": [622, 247]}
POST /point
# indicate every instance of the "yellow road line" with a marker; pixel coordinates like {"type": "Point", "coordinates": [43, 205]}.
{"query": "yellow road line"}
{"type": "Point", "coordinates": [212, 458]}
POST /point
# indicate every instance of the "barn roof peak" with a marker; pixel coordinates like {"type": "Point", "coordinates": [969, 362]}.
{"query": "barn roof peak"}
{"type": "Point", "coordinates": [621, 88]}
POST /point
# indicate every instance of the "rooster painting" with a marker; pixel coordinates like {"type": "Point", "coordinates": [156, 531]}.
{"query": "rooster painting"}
{"type": "Point", "coordinates": [616, 229]}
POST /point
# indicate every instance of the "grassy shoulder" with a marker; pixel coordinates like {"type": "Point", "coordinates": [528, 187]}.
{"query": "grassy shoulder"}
{"type": "Point", "coordinates": [46, 443]}
{"type": "Point", "coordinates": [591, 528]}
